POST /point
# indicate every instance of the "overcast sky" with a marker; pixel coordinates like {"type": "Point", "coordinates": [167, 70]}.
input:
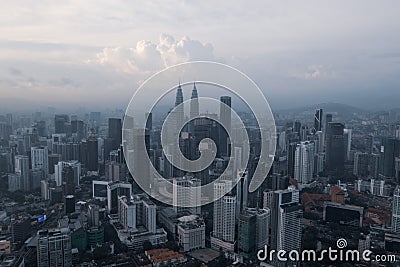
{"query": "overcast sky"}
{"type": "Point", "coordinates": [96, 53]}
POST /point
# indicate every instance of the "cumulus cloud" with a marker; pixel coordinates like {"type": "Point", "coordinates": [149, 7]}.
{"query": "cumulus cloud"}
{"type": "Point", "coordinates": [313, 72]}
{"type": "Point", "coordinates": [147, 56]}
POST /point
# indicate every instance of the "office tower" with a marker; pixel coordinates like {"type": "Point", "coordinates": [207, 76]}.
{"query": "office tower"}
{"type": "Point", "coordinates": [286, 218]}
{"type": "Point", "coordinates": [92, 162]}
{"type": "Point", "coordinates": [54, 248]}
{"type": "Point", "coordinates": [390, 149]}
{"type": "Point", "coordinates": [20, 229]}
{"type": "Point", "coordinates": [6, 162]}
{"type": "Point", "coordinates": [347, 133]}
{"type": "Point", "coordinates": [9, 119]}
{"type": "Point", "coordinates": [14, 182]}
{"type": "Point", "coordinates": [60, 177]}
{"type": "Point", "coordinates": [396, 211]}
{"type": "Point", "coordinates": [117, 156]}
{"type": "Point", "coordinates": [223, 235]}
{"type": "Point", "coordinates": [108, 146]}
{"type": "Point", "coordinates": [115, 131]}
{"type": "Point", "coordinates": [276, 181]}
{"type": "Point", "coordinates": [41, 128]}
{"type": "Point", "coordinates": [297, 128]}
{"type": "Point", "coordinates": [60, 123]}
{"type": "Point", "coordinates": [262, 227]}
{"type": "Point", "coordinates": [304, 132]}
{"type": "Point", "coordinates": [141, 164]}
{"type": "Point", "coordinates": [149, 120]}
{"type": "Point", "coordinates": [186, 194]}
{"type": "Point", "coordinates": [397, 169]}
{"type": "Point", "coordinates": [282, 140]}
{"type": "Point", "coordinates": [291, 158]}
{"type": "Point", "coordinates": [304, 162]}
{"type": "Point", "coordinates": [53, 160]}
{"type": "Point", "coordinates": [328, 119]}
{"type": "Point", "coordinates": [68, 184]}
{"type": "Point", "coordinates": [373, 167]}
{"type": "Point", "coordinates": [35, 177]}
{"type": "Point", "coordinates": [135, 212]}
{"type": "Point", "coordinates": [370, 144]}
{"type": "Point", "coordinates": [22, 169]}
{"type": "Point", "coordinates": [126, 213]}
{"type": "Point", "coordinates": [319, 142]}
{"type": "Point", "coordinates": [148, 215]}
{"type": "Point", "coordinates": [225, 117]}
{"type": "Point", "coordinates": [115, 171]}
{"type": "Point", "coordinates": [40, 160]}
{"type": "Point", "coordinates": [44, 189]}
{"type": "Point", "coordinates": [5, 132]}
{"type": "Point", "coordinates": [247, 233]}
{"type": "Point", "coordinates": [318, 120]}
{"type": "Point", "coordinates": [253, 228]}
{"type": "Point", "coordinates": [93, 215]}
{"type": "Point", "coordinates": [242, 190]}
{"type": "Point", "coordinates": [78, 129]}
{"type": "Point", "coordinates": [68, 151]}
{"type": "Point", "coordinates": [194, 104]}
{"type": "Point", "coordinates": [335, 148]}
{"type": "Point", "coordinates": [69, 204]}
{"type": "Point", "coordinates": [115, 190]}
{"type": "Point", "coordinates": [361, 163]}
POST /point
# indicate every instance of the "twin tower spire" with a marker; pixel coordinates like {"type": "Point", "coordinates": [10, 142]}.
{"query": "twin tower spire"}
{"type": "Point", "coordinates": [194, 103]}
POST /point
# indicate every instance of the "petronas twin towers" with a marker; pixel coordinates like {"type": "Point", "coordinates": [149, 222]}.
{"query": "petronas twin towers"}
{"type": "Point", "coordinates": [194, 103]}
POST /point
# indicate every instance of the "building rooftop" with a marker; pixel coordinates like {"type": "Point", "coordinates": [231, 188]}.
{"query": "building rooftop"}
{"type": "Point", "coordinates": [163, 255]}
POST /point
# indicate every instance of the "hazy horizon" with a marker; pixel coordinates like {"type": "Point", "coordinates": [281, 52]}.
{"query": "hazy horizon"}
{"type": "Point", "coordinates": [95, 54]}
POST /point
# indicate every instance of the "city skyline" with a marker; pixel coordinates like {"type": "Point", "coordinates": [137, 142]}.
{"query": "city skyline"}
{"type": "Point", "coordinates": [199, 133]}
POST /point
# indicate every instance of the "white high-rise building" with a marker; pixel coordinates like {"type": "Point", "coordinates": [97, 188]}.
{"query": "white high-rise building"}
{"type": "Point", "coordinates": [22, 168]}
{"type": "Point", "coordinates": [126, 213]}
{"type": "Point", "coordinates": [223, 235]}
{"type": "Point", "coordinates": [58, 169]}
{"type": "Point", "coordinates": [186, 194]}
{"type": "Point", "coordinates": [304, 162]}
{"type": "Point", "coordinates": [347, 133]}
{"type": "Point", "coordinates": [115, 190]}
{"type": "Point", "coordinates": [396, 211]}
{"type": "Point", "coordinates": [40, 160]}
{"type": "Point", "coordinates": [137, 211]}
{"type": "Point", "coordinates": [286, 218]}
{"type": "Point", "coordinates": [54, 248]}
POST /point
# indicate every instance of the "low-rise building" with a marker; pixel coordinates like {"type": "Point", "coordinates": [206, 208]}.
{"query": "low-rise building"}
{"type": "Point", "coordinates": [191, 232]}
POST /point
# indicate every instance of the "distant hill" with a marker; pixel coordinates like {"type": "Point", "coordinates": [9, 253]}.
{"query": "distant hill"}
{"type": "Point", "coordinates": [342, 109]}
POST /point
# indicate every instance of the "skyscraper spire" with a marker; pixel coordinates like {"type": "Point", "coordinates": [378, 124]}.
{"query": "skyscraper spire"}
{"type": "Point", "coordinates": [194, 91]}
{"type": "Point", "coordinates": [194, 103]}
{"type": "Point", "coordinates": [179, 95]}
{"type": "Point", "coordinates": [179, 110]}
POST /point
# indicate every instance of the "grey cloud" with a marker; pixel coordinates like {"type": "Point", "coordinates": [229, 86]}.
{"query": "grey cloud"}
{"type": "Point", "coordinates": [15, 72]}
